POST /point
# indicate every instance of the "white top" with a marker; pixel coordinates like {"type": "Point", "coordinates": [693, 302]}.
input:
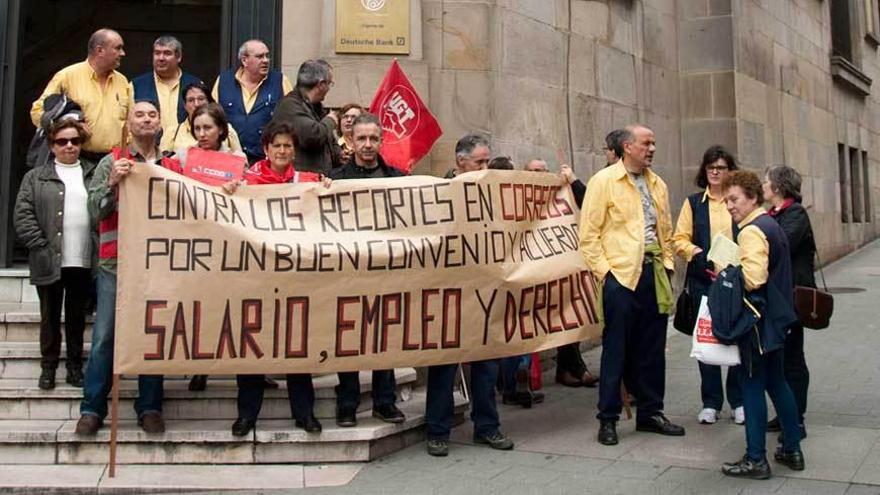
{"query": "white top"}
{"type": "Point", "coordinates": [76, 245]}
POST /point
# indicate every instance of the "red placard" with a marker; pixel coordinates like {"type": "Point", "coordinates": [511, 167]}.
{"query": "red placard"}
{"type": "Point", "coordinates": [213, 167]}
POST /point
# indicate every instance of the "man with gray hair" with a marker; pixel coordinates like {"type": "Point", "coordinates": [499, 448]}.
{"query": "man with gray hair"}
{"type": "Point", "coordinates": [165, 83]}
{"type": "Point", "coordinates": [104, 104]}
{"type": "Point", "coordinates": [249, 95]}
{"type": "Point", "coordinates": [471, 155]}
{"type": "Point", "coordinates": [315, 127]}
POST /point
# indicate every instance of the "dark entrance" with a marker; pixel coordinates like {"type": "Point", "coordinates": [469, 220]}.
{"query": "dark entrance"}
{"type": "Point", "coordinates": [43, 36]}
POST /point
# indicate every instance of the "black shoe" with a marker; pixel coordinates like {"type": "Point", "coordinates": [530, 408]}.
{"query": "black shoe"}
{"type": "Point", "coordinates": [774, 425]}
{"type": "Point", "coordinates": [75, 376]}
{"type": "Point", "coordinates": [747, 468]}
{"type": "Point", "coordinates": [310, 424]}
{"type": "Point", "coordinates": [518, 399]}
{"type": "Point", "coordinates": [794, 460]}
{"type": "Point", "coordinates": [269, 383]}
{"type": "Point", "coordinates": [243, 426]}
{"type": "Point", "coordinates": [607, 433]}
{"type": "Point", "coordinates": [495, 440]}
{"type": "Point", "coordinates": [659, 424]}
{"type": "Point", "coordinates": [47, 379]}
{"type": "Point", "coordinates": [346, 417]}
{"type": "Point", "coordinates": [389, 413]}
{"type": "Point", "coordinates": [198, 383]}
{"type": "Point", "coordinates": [537, 397]}
{"type": "Point", "coordinates": [438, 447]}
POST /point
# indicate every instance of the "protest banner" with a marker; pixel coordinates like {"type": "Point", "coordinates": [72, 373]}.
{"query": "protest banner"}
{"type": "Point", "coordinates": [364, 274]}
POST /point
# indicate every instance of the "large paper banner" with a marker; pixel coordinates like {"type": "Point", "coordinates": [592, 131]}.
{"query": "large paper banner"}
{"type": "Point", "coordinates": [365, 274]}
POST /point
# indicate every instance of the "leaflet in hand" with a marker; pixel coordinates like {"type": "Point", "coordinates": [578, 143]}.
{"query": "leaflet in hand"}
{"type": "Point", "coordinates": [723, 252]}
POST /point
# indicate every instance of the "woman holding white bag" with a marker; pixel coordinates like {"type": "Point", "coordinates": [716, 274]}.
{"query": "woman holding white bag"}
{"type": "Point", "coordinates": [703, 216]}
{"type": "Point", "coordinates": [766, 273]}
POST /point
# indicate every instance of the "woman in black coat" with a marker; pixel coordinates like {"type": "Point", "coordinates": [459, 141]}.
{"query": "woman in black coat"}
{"type": "Point", "coordinates": [782, 189]}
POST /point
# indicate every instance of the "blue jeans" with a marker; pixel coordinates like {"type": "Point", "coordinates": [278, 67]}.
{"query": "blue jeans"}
{"type": "Point", "coordinates": [767, 375]}
{"type": "Point", "coordinates": [633, 347]}
{"type": "Point", "coordinates": [509, 367]}
{"type": "Point", "coordinates": [440, 403]}
{"type": "Point", "coordinates": [348, 392]}
{"type": "Point", "coordinates": [99, 369]}
{"type": "Point", "coordinates": [711, 390]}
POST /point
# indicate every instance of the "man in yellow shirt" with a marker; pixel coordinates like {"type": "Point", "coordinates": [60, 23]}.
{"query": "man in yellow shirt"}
{"type": "Point", "coordinates": [626, 240]}
{"type": "Point", "coordinates": [165, 83]}
{"type": "Point", "coordinates": [101, 91]}
{"type": "Point", "coordinates": [249, 94]}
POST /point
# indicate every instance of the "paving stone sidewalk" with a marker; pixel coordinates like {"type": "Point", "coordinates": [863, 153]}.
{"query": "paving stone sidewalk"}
{"type": "Point", "coordinates": [556, 450]}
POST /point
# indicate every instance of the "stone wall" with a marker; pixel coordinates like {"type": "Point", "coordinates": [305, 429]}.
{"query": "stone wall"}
{"type": "Point", "coordinates": [551, 77]}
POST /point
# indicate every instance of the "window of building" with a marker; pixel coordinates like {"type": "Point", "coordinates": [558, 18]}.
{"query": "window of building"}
{"type": "Point", "coordinates": [866, 186]}
{"type": "Point", "coordinates": [841, 39]}
{"type": "Point", "coordinates": [872, 21]}
{"type": "Point", "coordinates": [843, 183]}
{"type": "Point", "coordinates": [855, 184]}
{"type": "Point", "coordinates": [845, 59]}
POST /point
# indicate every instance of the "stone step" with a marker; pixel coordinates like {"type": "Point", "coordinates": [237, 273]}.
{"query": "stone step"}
{"type": "Point", "coordinates": [210, 441]}
{"type": "Point", "coordinates": [15, 287]}
{"type": "Point", "coordinates": [21, 323]}
{"type": "Point", "coordinates": [21, 399]}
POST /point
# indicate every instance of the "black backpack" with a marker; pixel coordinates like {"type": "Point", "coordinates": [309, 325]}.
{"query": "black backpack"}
{"type": "Point", "coordinates": [56, 107]}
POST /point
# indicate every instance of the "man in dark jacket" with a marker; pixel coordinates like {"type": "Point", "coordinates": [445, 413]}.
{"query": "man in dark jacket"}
{"type": "Point", "coordinates": [366, 163]}
{"type": "Point", "coordinates": [166, 82]}
{"type": "Point", "coordinates": [315, 128]}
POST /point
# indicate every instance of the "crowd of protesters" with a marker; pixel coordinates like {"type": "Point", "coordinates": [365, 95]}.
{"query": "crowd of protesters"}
{"type": "Point", "coordinates": [66, 215]}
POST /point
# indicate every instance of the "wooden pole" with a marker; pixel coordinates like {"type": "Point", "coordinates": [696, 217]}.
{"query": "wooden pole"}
{"type": "Point", "coordinates": [114, 424]}
{"type": "Point", "coordinates": [627, 402]}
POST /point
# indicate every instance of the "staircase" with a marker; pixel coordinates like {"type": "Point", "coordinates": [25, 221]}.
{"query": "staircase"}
{"type": "Point", "coordinates": [37, 426]}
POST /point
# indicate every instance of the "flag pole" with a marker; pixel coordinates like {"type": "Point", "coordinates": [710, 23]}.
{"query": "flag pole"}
{"type": "Point", "coordinates": [114, 424]}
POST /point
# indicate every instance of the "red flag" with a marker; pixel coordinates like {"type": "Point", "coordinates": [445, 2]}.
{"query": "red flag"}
{"type": "Point", "coordinates": [408, 128]}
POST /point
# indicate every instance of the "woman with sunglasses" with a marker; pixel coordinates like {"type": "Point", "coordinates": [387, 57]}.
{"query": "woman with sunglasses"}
{"type": "Point", "coordinates": [52, 220]}
{"type": "Point", "coordinates": [703, 216]}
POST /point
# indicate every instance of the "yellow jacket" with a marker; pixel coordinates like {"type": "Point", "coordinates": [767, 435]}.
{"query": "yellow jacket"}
{"type": "Point", "coordinates": [612, 228]}
{"type": "Point", "coordinates": [719, 223]}
{"type": "Point", "coordinates": [105, 109]}
{"type": "Point", "coordinates": [754, 251]}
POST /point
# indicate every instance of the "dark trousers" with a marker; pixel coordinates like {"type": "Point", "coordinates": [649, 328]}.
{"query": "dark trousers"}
{"type": "Point", "coordinates": [72, 291]}
{"type": "Point", "coordinates": [796, 373]}
{"type": "Point", "coordinates": [440, 402]}
{"type": "Point", "coordinates": [767, 375]}
{"type": "Point", "coordinates": [568, 358]}
{"type": "Point", "coordinates": [633, 347]}
{"type": "Point", "coordinates": [712, 391]}
{"type": "Point", "coordinates": [348, 392]}
{"type": "Point", "coordinates": [300, 393]}
{"type": "Point", "coordinates": [508, 368]}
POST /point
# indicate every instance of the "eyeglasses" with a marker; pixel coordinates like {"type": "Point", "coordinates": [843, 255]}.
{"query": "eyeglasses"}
{"type": "Point", "coordinates": [196, 99]}
{"type": "Point", "coordinates": [717, 168]}
{"type": "Point", "coordinates": [64, 141]}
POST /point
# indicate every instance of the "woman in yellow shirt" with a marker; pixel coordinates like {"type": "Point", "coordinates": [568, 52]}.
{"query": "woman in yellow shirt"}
{"type": "Point", "coordinates": [703, 216]}
{"type": "Point", "coordinates": [194, 96]}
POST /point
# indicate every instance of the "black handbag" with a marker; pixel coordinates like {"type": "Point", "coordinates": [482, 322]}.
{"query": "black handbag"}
{"type": "Point", "coordinates": [685, 313]}
{"type": "Point", "coordinates": [814, 307]}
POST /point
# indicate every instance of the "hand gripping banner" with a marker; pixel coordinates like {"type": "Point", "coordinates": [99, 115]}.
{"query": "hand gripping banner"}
{"type": "Point", "coordinates": [364, 274]}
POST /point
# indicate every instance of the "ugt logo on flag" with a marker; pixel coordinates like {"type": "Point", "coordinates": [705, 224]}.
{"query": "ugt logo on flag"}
{"type": "Point", "coordinates": [409, 129]}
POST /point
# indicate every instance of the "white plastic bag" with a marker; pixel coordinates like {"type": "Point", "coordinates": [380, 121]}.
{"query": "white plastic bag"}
{"type": "Point", "coordinates": [706, 347]}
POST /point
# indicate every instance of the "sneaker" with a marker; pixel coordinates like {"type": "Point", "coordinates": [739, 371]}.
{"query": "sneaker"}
{"type": "Point", "coordinates": [739, 415]}
{"type": "Point", "coordinates": [747, 468]}
{"type": "Point", "coordinates": [707, 416]}
{"type": "Point", "coordinates": [389, 413]}
{"type": "Point", "coordinates": [496, 440]}
{"type": "Point", "coordinates": [438, 447]}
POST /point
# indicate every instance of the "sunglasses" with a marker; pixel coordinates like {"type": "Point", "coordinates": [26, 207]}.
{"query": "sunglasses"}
{"type": "Point", "coordinates": [64, 141]}
{"type": "Point", "coordinates": [714, 168]}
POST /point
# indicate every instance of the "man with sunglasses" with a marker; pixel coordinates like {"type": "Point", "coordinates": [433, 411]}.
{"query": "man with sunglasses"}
{"type": "Point", "coordinates": [315, 127]}
{"type": "Point", "coordinates": [249, 95]}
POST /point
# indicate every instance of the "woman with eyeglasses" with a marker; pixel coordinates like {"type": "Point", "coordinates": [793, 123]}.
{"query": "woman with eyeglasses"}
{"type": "Point", "coordinates": [347, 114]}
{"type": "Point", "coordinates": [703, 216]}
{"type": "Point", "coordinates": [194, 96]}
{"type": "Point", "coordinates": [52, 220]}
